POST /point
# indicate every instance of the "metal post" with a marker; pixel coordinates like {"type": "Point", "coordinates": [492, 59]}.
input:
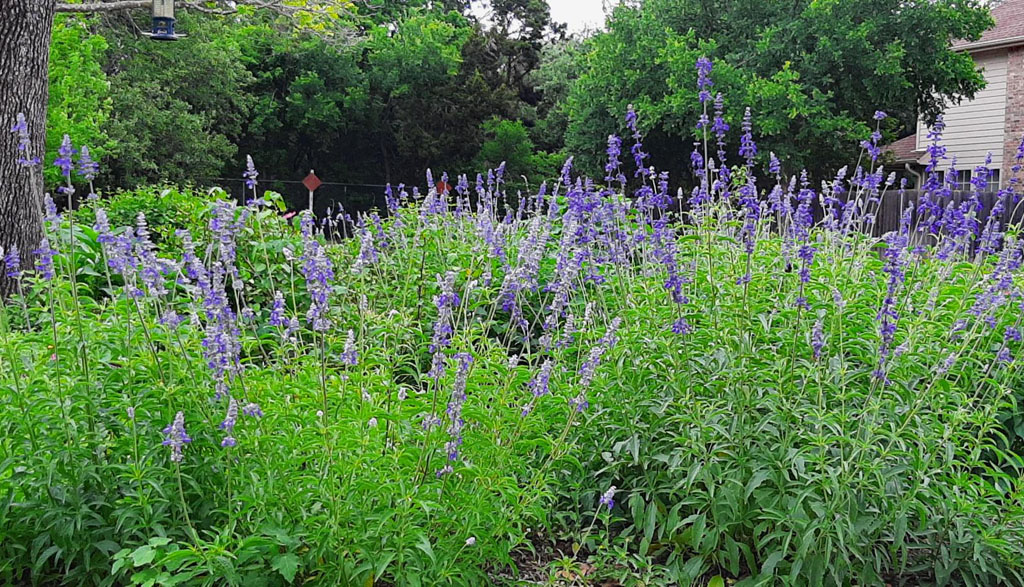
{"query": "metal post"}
{"type": "Point", "coordinates": [311, 194]}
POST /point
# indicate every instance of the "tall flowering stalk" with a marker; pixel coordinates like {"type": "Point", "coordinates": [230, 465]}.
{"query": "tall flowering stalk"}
{"type": "Point", "coordinates": [454, 413]}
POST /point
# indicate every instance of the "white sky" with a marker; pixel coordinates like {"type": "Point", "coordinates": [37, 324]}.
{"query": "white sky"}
{"type": "Point", "coordinates": [578, 14]}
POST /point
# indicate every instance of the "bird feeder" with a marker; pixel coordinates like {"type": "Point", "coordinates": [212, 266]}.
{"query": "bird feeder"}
{"type": "Point", "coordinates": [163, 21]}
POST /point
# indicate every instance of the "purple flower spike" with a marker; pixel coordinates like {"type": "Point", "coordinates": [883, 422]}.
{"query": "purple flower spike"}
{"type": "Point", "coordinates": [20, 128]}
{"type": "Point", "coordinates": [608, 498]}
{"type": "Point", "coordinates": [12, 262]}
{"type": "Point", "coordinates": [350, 356]}
{"type": "Point", "coordinates": [176, 437]}
{"type": "Point", "coordinates": [228, 425]}
{"type": "Point", "coordinates": [704, 82]}
{"type": "Point", "coordinates": [250, 173]}
{"type": "Point", "coordinates": [817, 339]}
{"type": "Point", "coordinates": [252, 410]}
{"type": "Point", "coordinates": [87, 167]}
{"type": "Point", "coordinates": [44, 259]}
{"type": "Point", "coordinates": [63, 160]}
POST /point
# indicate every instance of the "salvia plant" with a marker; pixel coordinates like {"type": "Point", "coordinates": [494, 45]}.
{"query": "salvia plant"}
{"type": "Point", "coordinates": [740, 378]}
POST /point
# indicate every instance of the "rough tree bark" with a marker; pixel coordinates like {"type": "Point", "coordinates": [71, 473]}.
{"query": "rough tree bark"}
{"type": "Point", "coordinates": [25, 27]}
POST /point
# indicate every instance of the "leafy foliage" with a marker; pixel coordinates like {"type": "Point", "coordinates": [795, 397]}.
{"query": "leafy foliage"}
{"type": "Point", "coordinates": [813, 70]}
{"type": "Point", "coordinates": [80, 102]}
{"type": "Point", "coordinates": [650, 397]}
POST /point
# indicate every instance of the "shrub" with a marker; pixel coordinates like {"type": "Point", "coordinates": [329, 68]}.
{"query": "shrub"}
{"type": "Point", "coordinates": [167, 209]}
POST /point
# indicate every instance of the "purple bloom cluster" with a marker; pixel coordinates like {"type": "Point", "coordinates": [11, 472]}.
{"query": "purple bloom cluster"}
{"type": "Point", "coordinates": [20, 128]}
{"type": "Point", "coordinates": [350, 355]}
{"type": "Point", "coordinates": [176, 437]}
{"type": "Point", "coordinates": [64, 159]}
{"type": "Point", "coordinates": [454, 411]}
{"type": "Point", "coordinates": [250, 174]}
{"type": "Point", "coordinates": [277, 317]}
{"type": "Point", "coordinates": [817, 339]}
{"type": "Point", "coordinates": [12, 262]}
{"type": "Point", "coordinates": [704, 82]}
{"type": "Point", "coordinates": [44, 259]}
{"type": "Point", "coordinates": [228, 425]}
{"type": "Point", "coordinates": [87, 167]}
{"type": "Point", "coordinates": [607, 498]}
{"type": "Point", "coordinates": [318, 271]}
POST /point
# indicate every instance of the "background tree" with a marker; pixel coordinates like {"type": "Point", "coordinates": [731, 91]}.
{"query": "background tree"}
{"type": "Point", "coordinates": [25, 38]}
{"type": "Point", "coordinates": [24, 60]}
{"type": "Point", "coordinates": [813, 72]}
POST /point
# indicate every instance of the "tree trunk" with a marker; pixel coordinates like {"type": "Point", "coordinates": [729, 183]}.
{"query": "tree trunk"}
{"type": "Point", "coordinates": [25, 27]}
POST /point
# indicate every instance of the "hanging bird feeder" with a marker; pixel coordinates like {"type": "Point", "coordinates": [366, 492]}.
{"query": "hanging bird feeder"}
{"type": "Point", "coordinates": [163, 21]}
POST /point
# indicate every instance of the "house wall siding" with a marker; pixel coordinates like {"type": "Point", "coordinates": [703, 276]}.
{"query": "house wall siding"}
{"type": "Point", "coordinates": [977, 127]}
{"type": "Point", "coordinates": [1014, 121]}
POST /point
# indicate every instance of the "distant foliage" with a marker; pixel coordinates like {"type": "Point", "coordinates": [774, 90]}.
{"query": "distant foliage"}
{"type": "Point", "coordinates": [814, 71]}
{"type": "Point", "coordinates": [80, 102]}
{"type": "Point", "coordinates": [508, 142]}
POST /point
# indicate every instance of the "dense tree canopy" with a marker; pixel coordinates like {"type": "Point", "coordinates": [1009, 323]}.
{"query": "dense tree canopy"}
{"type": "Point", "coordinates": [813, 71]}
{"type": "Point", "coordinates": [411, 84]}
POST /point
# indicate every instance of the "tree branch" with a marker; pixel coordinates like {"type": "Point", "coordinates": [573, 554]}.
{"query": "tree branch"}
{"type": "Point", "coordinates": [105, 6]}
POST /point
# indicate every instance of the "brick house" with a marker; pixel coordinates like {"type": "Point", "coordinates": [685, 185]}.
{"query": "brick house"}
{"type": "Point", "coordinates": [993, 122]}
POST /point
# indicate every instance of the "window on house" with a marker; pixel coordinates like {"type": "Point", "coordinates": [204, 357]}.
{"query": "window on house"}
{"type": "Point", "coordinates": [911, 180]}
{"type": "Point", "coordinates": [993, 180]}
{"type": "Point", "coordinates": [963, 180]}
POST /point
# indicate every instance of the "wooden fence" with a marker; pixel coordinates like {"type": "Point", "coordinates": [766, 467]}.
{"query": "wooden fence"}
{"type": "Point", "coordinates": [893, 204]}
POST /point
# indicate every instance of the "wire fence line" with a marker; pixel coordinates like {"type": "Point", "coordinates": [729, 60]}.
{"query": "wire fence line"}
{"type": "Point", "coordinates": [353, 197]}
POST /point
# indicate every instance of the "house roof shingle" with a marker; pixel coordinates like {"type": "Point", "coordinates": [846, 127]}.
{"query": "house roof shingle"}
{"type": "Point", "coordinates": [904, 150]}
{"type": "Point", "coordinates": [1009, 28]}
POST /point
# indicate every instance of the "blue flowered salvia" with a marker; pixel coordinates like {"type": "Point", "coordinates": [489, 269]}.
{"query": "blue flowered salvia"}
{"type": "Point", "coordinates": [176, 437]}
{"type": "Point", "coordinates": [682, 327]}
{"type": "Point", "coordinates": [639, 156]}
{"type": "Point", "coordinates": [817, 339]}
{"type": "Point", "coordinates": [539, 385]}
{"type": "Point", "coordinates": [350, 355]}
{"type": "Point", "coordinates": [318, 271]}
{"type": "Point", "coordinates": [20, 128]}
{"type": "Point", "coordinates": [608, 498]}
{"type": "Point", "coordinates": [64, 162]}
{"type": "Point", "coordinates": [704, 82]}
{"type": "Point", "coordinates": [12, 262]}
{"type": "Point", "coordinates": [44, 259]}
{"type": "Point", "coordinates": [454, 411]}
{"type": "Point", "coordinates": [720, 127]}
{"type": "Point", "coordinates": [589, 367]}
{"type": "Point", "coordinates": [87, 167]}
{"type": "Point", "coordinates": [277, 317]}
{"type": "Point", "coordinates": [748, 149]}
{"type": "Point", "coordinates": [252, 409]}
{"type": "Point", "coordinates": [226, 222]}
{"type": "Point", "coordinates": [368, 254]}
{"type": "Point", "coordinates": [153, 269]}
{"type": "Point", "coordinates": [611, 169]}
{"type": "Point", "coordinates": [228, 425]}
{"type": "Point", "coordinates": [250, 174]}
{"type": "Point", "coordinates": [51, 217]}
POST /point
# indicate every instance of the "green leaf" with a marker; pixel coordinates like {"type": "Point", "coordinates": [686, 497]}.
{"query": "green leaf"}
{"type": "Point", "coordinates": [143, 555]}
{"type": "Point", "coordinates": [716, 581]}
{"type": "Point", "coordinates": [768, 568]}
{"type": "Point", "coordinates": [424, 545]}
{"type": "Point", "coordinates": [287, 564]}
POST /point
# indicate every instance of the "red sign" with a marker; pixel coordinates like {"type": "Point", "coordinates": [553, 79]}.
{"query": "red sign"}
{"type": "Point", "coordinates": [312, 182]}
